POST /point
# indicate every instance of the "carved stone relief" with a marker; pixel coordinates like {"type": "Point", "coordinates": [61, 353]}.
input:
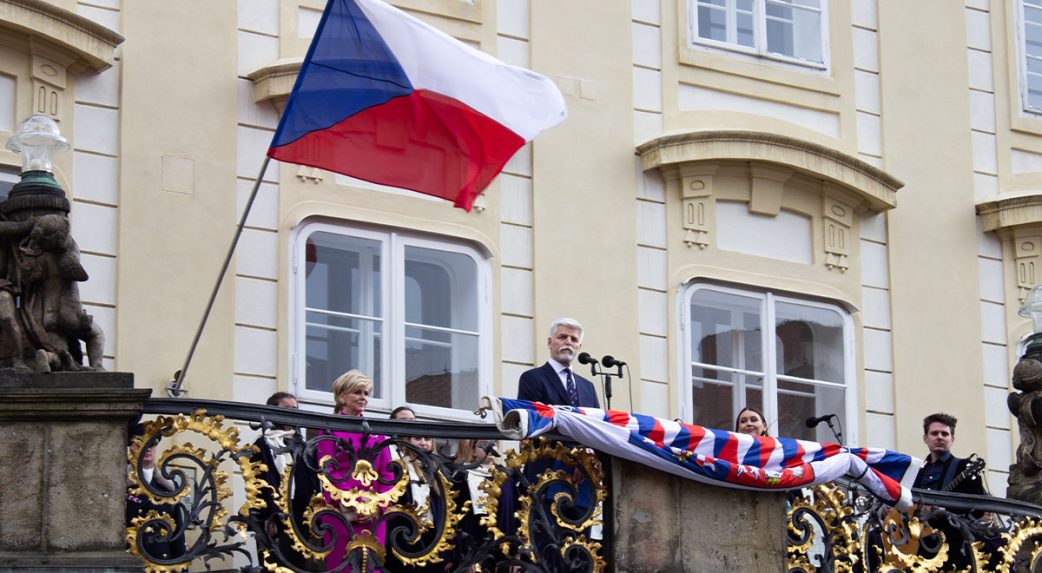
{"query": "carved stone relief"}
{"type": "Point", "coordinates": [49, 83]}
{"type": "Point", "coordinates": [1026, 252]}
{"type": "Point", "coordinates": [837, 222]}
{"type": "Point", "coordinates": [696, 184]}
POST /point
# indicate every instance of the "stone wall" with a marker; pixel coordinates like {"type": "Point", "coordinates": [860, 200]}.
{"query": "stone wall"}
{"type": "Point", "coordinates": [666, 524]}
{"type": "Point", "coordinates": [63, 440]}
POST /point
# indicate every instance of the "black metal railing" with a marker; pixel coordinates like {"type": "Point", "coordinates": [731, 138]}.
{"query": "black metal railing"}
{"type": "Point", "coordinates": [354, 494]}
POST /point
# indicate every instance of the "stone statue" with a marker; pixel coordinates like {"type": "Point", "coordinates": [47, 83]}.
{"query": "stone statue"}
{"type": "Point", "coordinates": [42, 320]}
{"type": "Point", "coordinates": [1025, 476]}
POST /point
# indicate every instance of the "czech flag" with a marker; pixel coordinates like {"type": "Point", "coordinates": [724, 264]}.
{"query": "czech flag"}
{"type": "Point", "coordinates": [386, 98]}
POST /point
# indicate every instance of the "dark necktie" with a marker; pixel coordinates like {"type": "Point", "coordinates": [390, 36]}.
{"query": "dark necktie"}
{"type": "Point", "coordinates": [573, 392]}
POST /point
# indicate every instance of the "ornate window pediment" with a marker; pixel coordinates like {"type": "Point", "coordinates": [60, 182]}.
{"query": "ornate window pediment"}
{"type": "Point", "coordinates": [875, 189]}
{"type": "Point", "coordinates": [81, 43]}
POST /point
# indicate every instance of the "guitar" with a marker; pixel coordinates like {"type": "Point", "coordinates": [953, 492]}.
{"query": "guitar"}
{"type": "Point", "coordinates": [974, 468]}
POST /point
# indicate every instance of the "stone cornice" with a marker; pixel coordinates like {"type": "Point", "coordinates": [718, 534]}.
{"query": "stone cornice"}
{"type": "Point", "coordinates": [90, 45]}
{"type": "Point", "coordinates": [1012, 211]}
{"type": "Point", "coordinates": [876, 188]}
{"type": "Point", "coordinates": [273, 83]}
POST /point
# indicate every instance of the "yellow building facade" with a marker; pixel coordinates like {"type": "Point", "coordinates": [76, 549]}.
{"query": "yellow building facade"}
{"type": "Point", "coordinates": [814, 207]}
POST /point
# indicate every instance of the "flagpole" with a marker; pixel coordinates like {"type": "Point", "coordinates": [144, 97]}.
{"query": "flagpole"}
{"type": "Point", "coordinates": [174, 389]}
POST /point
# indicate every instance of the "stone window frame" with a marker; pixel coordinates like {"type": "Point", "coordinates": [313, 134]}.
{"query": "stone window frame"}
{"type": "Point", "coordinates": [760, 48]}
{"type": "Point", "coordinates": [393, 240]}
{"type": "Point", "coordinates": [769, 299]}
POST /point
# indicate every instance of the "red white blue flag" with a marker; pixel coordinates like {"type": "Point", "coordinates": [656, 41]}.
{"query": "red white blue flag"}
{"type": "Point", "coordinates": [383, 97]}
{"type": "Point", "coordinates": [713, 456]}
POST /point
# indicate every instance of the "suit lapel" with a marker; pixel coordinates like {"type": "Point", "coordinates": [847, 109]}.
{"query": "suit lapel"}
{"type": "Point", "coordinates": [553, 381]}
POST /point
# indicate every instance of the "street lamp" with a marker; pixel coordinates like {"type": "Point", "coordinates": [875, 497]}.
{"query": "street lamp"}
{"type": "Point", "coordinates": [37, 139]}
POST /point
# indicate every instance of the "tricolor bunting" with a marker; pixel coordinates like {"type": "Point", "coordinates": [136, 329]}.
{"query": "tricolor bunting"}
{"type": "Point", "coordinates": [383, 97]}
{"type": "Point", "coordinates": [712, 456]}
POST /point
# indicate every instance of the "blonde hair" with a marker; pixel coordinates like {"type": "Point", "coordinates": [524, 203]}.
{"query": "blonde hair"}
{"type": "Point", "coordinates": [349, 381]}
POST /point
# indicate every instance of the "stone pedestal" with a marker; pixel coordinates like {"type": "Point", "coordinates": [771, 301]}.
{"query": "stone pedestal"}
{"type": "Point", "coordinates": [63, 443]}
{"type": "Point", "coordinates": [671, 525]}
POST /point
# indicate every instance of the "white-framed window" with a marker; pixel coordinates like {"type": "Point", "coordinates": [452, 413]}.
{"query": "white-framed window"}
{"type": "Point", "coordinates": [793, 31]}
{"type": "Point", "coordinates": [790, 358]}
{"type": "Point", "coordinates": [1029, 43]}
{"type": "Point", "coordinates": [411, 311]}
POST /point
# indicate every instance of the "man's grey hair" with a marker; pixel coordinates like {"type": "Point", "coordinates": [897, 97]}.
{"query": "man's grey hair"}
{"type": "Point", "coordinates": [569, 322]}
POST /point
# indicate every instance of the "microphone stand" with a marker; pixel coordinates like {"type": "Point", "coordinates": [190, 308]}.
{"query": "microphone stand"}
{"type": "Point", "coordinates": [835, 432]}
{"type": "Point", "coordinates": [606, 377]}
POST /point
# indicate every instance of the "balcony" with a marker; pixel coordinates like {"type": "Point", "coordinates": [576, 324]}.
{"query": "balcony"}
{"type": "Point", "coordinates": [384, 503]}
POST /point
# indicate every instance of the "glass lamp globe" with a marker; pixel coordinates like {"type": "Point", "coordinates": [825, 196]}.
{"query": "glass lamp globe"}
{"type": "Point", "coordinates": [1032, 308]}
{"type": "Point", "coordinates": [37, 139]}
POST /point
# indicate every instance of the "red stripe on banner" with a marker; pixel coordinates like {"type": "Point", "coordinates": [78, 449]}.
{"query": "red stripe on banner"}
{"type": "Point", "coordinates": [730, 449]}
{"type": "Point", "coordinates": [829, 450]}
{"type": "Point", "coordinates": [696, 434]}
{"type": "Point", "coordinates": [767, 446]}
{"type": "Point", "coordinates": [617, 418]}
{"type": "Point", "coordinates": [657, 433]}
{"type": "Point", "coordinates": [797, 458]}
{"type": "Point", "coordinates": [424, 141]}
{"type": "Point", "coordinates": [543, 410]}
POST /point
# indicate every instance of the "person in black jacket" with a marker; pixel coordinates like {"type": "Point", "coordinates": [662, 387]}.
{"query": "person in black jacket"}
{"type": "Point", "coordinates": [943, 471]}
{"type": "Point", "coordinates": [159, 544]}
{"type": "Point", "coordinates": [273, 452]}
{"type": "Point", "coordinates": [947, 473]}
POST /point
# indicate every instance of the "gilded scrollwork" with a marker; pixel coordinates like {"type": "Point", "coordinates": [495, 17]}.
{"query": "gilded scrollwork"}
{"type": "Point", "coordinates": [419, 533]}
{"type": "Point", "coordinates": [199, 492]}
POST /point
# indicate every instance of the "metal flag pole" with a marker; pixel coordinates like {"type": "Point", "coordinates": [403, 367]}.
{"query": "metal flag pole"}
{"type": "Point", "coordinates": [175, 389]}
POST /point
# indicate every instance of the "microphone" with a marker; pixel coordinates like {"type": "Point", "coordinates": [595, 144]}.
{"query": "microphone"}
{"type": "Point", "coordinates": [585, 358]}
{"type": "Point", "coordinates": [813, 421]}
{"type": "Point", "coordinates": [609, 361]}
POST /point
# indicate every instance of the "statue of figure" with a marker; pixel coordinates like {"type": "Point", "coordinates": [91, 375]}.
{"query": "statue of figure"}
{"type": "Point", "coordinates": [1025, 476]}
{"type": "Point", "coordinates": [42, 319]}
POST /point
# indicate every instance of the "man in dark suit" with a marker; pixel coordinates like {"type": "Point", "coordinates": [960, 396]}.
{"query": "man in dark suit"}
{"type": "Point", "coordinates": [554, 382]}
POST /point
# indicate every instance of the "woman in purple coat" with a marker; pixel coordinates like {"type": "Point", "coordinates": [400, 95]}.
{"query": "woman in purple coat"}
{"type": "Point", "coordinates": [351, 393]}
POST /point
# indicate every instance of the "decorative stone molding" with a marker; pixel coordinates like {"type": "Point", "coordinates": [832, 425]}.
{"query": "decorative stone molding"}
{"type": "Point", "coordinates": [309, 174]}
{"type": "Point", "coordinates": [838, 222]}
{"type": "Point", "coordinates": [1013, 210]}
{"type": "Point", "coordinates": [273, 83]}
{"type": "Point", "coordinates": [1026, 252]}
{"type": "Point", "coordinates": [696, 188]}
{"type": "Point", "coordinates": [875, 189]}
{"type": "Point", "coordinates": [83, 44]}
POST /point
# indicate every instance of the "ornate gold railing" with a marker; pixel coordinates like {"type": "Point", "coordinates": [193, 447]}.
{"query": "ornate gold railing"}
{"type": "Point", "coordinates": [348, 498]}
{"type": "Point", "coordinates": [836, 528]}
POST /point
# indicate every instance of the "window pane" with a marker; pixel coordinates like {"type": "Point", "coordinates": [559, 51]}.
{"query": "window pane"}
{"type": "Point", "coordinates": [441, 289]}
{"type": "Point", "coordinates": [343, 318]}
{"type": "Point", "coordinates": [441, 315]}
{"type": "Point", "coordinates": [718, 396]}
{"type": "Point", "coordinates": [441, 368]}
{"type": "Point", "coordinates": [337, 344]}
{"type": "Point", "coordinates": [726, 330]}
{"type": "Point", "coordinates": [809, 342]}
{"type": "Point", "coordinates": [794, 32]}
{"type": "Point", "coordinates": [343, 274]}
{"type": "Point", "coordinates": [745, 34]}
{"type": "Point", "coordinates": [712, 23]}
{"type": "Point", "coordinates": [798, 401]}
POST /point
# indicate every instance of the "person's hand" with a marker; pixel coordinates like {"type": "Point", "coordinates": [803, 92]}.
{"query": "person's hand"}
{"type": "Point", "coordinates": [989, 519]}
